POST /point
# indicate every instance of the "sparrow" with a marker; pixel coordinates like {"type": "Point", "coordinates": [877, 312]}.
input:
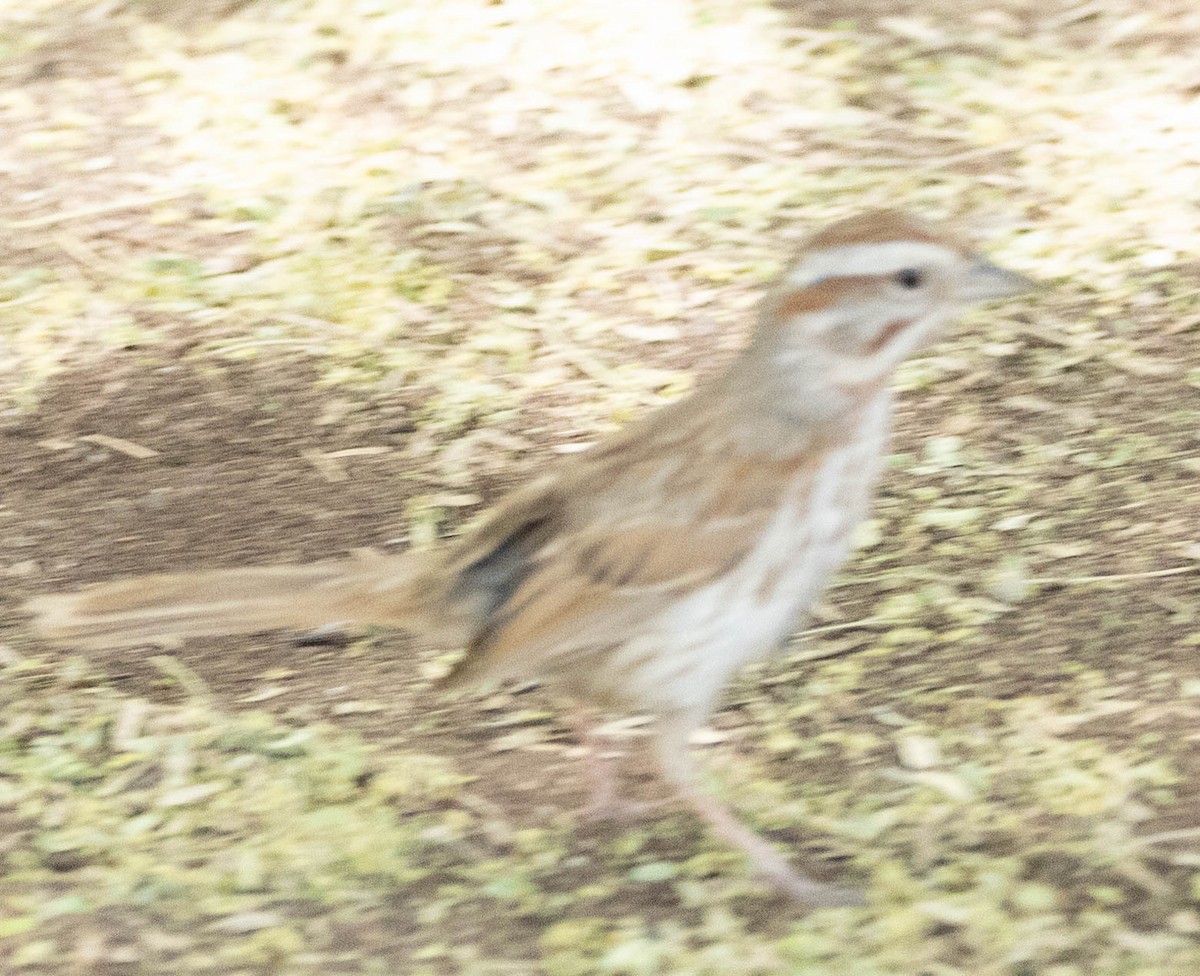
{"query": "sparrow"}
{"type": "Point", "coordinates": [641, 574]}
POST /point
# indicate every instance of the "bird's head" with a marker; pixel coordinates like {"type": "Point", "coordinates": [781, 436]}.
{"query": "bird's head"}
{"type": "Point", "coordinates": [866, 292]}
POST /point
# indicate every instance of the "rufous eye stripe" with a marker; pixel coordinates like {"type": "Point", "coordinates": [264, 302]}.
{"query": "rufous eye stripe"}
{"type": "Point", "coordinates": [822, 295]}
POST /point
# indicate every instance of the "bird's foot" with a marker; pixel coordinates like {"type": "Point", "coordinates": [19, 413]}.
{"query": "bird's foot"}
{"type": "Point", "coordinates": [767, 861]}
{"type": "Point", "coordinates": [618, 809]}
{"type": "Point", "coordinates": [808, 891]}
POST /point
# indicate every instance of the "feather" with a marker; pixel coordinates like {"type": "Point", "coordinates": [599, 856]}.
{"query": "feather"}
{"type": "Point", "coordinates": [168, 606]}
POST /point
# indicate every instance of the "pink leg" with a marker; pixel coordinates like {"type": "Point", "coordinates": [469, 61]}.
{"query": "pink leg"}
{"type": "Point", "coordinates": [601, 768]}
{"type": "Point", "coordinates": [675, 760]}
{"type": "Point", "coordinates": [602, 773]}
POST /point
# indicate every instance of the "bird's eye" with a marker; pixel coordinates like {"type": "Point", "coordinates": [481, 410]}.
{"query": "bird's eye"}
{"type": "Point", "coordinates": [910, 278]}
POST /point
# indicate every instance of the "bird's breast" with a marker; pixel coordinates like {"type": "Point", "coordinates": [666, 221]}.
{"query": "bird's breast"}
{"type": "Point", "coordinates": [697, 643]}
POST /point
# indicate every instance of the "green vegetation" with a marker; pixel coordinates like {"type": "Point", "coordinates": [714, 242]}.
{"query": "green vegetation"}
{"type": "Point", "coordinates": [531, 221]}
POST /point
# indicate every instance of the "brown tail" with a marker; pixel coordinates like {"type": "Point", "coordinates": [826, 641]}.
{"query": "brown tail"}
{"type": "Point", "coordinates": [375, 590]}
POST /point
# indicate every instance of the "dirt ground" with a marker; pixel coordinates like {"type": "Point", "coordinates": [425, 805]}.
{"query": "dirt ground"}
{"type": "Point", "coordinates": [1002, 689]}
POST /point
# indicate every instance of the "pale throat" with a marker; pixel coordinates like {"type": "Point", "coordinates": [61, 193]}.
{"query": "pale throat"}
{"type": "Point", "coordinates": [798, 403]}
{"type": "Point", "coordinates": [894, 340]}
{"type": "Point", "coordinates": [824, 390]}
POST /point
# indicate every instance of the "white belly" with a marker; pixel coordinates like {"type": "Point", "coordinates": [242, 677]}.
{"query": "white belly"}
{"type": "Point", "coordinates": [687, 656]}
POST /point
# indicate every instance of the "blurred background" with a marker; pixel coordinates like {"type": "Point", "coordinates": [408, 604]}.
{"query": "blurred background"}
{"type": "Point", "coordinates": [283, 279]}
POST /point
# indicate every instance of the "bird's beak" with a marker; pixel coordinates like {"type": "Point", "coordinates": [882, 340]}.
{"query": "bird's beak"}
{"type": "Point", "coordinates": [985, 282]}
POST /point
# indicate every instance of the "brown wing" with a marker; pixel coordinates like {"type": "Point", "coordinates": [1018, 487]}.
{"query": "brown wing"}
{"type": "Point", "coordinates": [596, 554]}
